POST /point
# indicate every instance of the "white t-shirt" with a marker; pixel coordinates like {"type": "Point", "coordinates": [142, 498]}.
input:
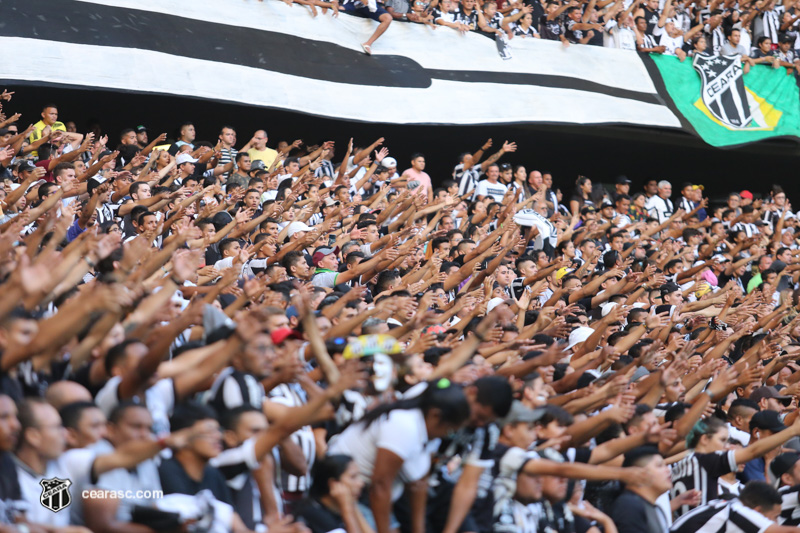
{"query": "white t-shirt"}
{"type": "Point", "coordinates": [401, 432]}
{"type": "Point", "coordinates": [159, 399]}
{"type": "Point", "coordinates": [617, 36]}
{"type": "Point", "coordinates": [73, 465]}
{"type": "Point", "coordinates": [495, 190]}
{"type": "Point", "coordinates": [670, 43]}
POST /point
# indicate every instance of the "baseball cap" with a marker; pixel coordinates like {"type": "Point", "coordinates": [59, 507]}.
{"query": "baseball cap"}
{"type": "Point", "coordinates": [719, 258]}
{"type": "Point", "coordinates": [623, 180]}
{"type": "Point", "coordinates": [321, 252]}
{"type": "Point", "coordinates": [782, 464]}
{"type": "Point", "coordinates": [768, 392]}
{"type": "Point", "coordinates": [185, 158]}
{"type": "Point", "coordinates": [294, 227]}
{"type": "Point", "coordinates": [257, 165]}
{"type": "Point", "coordinates": [607, 203]}
{"type": "Point", "coordinates": [520, 413]}
{"type": "Point", "coordinates": [26, 166]}
{"type": "Point", "coordinates": [140, 129]}
{"type": "Point", "coordinates": [330, 202]}
{"type": "Point", "coordinates": [563, 271]}
{"type": "Point", "coordinates": [281, 334]}
{"type": "Point", "coordinates": [767, 419]}
{"type": "Point", "coordinates": [494, 302]}
{"type": "Point", "coordinates": [389, 162]}
{"type": "Point", "coordinates": [668, 288]}
{"type": "Point", "coordinates": [746, 194]}
{"type": "Point", "coordinates": [579, 335]}
{"type": "Point", "coordinates": [94, 182]}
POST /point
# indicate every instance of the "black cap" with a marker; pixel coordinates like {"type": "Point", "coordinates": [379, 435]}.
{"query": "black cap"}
{"type": "Point", "coordinates": [668, 288]}
{"type": "Point", "coordinates": [140, 129]}
{"type": "Point", "coordinates": [767, 419]}
{"type": "Point", "coordinates": [783, 463]}
{"type": "Point", "coordinates": [26, 166]}
{"type": "Point", "coordinates": [623, 180]}
{"type": "Point", "coordinates": [505, 166]}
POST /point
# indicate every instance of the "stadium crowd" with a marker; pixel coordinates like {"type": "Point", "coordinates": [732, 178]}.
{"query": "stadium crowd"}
{"type": "Point", "coordinates": [761, 31]}
{"type": "Point", "coordinates": [202, 334]}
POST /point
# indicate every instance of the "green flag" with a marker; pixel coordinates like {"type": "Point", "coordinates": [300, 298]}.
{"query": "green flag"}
{"type": "Point", "coordinates": [713, 96]}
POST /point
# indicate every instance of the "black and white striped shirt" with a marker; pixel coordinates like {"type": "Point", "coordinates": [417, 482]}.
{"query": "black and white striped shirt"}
{"type": "Point", "coordinates": [234, 389]}
{"type": "Point", "coordinates": [467, 179]}
{"type": "Point", "coordinates": [722, 516]}
{"type": "Point", "coordinates": [293, 395]}
{"type": "Point", "coordinates": [701, 471]}
{"type": "Point", "coordinates": [790, 507]}
{"type": "Point", "coordinates": [771, 22]}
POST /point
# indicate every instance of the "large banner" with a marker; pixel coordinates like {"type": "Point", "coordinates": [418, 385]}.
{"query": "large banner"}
{"type": "Point", "coordinates": [726, 106]}
{"type": "Point", "coordinates": [274, 55]}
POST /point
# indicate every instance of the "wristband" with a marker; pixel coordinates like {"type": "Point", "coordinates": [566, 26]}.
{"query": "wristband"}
{"type": "Point", "coordinates": [710, 395]}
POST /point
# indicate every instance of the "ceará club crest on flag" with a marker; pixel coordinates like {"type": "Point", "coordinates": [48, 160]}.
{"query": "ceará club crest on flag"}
{"type": "Point", "coordinates": [724, 95]}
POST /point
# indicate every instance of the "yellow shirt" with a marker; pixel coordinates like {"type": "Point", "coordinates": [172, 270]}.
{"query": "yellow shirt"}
{"type": "Point", "coordinates": [39, 127]}
{"type": "Point", "coordinates": [267, 155]}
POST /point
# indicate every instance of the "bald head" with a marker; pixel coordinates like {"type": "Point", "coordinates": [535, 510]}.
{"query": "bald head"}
{"type": "Point", "coordinates": [63, 393]}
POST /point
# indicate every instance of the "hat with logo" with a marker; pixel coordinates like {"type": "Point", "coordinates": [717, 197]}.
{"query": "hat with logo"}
{"type": "Point", "coordinates": [140, 129]}
{"type": "Point", "coordinates": [389, 162]}
{"type": "Point", "coordinates": [26, 166]}
{"type": "Point", "coordinates": [623, 180]}
{"type": "Point", "coordinates": [321, 252]}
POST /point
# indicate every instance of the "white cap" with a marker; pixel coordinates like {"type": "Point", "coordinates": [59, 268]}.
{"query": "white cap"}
{"type": "Point", "coordinates": [606, 308]}
{"type": "Point", "coordinates": [389, 162]}
{"type": "Point", "coordinates": [294, 227]}
{"type": "Point", "coordinates": [494, 302]}
{"type": "Point", "coordinates": [579, 335]}
{"type": "Point", "coordinates": [185, 158]}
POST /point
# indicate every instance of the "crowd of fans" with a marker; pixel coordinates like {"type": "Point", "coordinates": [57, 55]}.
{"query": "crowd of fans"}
{"type": "Point", "coordinates": [210, 335]}
{"type": "Point", "coordinates": [761, 31]}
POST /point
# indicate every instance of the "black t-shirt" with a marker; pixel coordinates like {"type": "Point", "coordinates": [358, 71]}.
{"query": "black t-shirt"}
{"type": "Point", "coordinates": [174, 479]}
{"type": "Point", "coordinates": [596, 39]}
{"type": "Point", "coordinates": [9, 489]}
{"type": "Point", "coordinates": [551, 29]}
{"type": "Point", "coordinates": [317, 517]}
{"type": "Point", "coordinates": [538, 8]}
{"type": "Point", "coordinates": [652, 20]}
{"type": "Point", "coordinates": [633, 514]}
{"type": "Point", "coordinates": [574, 35]}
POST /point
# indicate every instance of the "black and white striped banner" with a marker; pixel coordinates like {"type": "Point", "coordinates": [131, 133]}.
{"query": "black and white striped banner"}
{"type": "Point", "coordinates": [274, 55]}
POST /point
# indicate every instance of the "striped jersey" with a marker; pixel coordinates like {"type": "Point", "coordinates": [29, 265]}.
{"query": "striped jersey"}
{"type": "Point", "coordinates": [722, 516]}
{"type": "Point", "coordinates": [701, 471]}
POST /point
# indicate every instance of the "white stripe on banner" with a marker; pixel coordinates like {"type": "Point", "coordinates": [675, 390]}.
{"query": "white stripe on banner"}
{"type": "Point", "coordinates": [614, 77]}
{"type": "Point", "coordinates": [442, 48]}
